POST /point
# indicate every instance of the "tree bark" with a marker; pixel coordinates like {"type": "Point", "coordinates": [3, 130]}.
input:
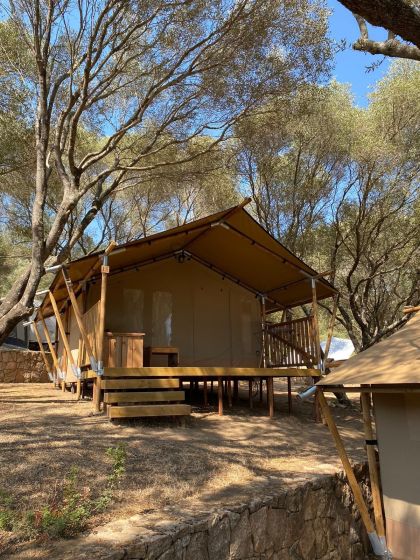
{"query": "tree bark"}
{"type": "Point", "coordinates": [397, 16]}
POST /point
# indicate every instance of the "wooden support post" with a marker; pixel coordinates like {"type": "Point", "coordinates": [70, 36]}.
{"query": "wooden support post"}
{"type": "Point", "coordinates": [64, 337]}
{"type": "Point", "coordinates": [263, 337]}
{"type": "Point", "coordinates": [250, 393]}
{"type": "Point", "coordinates": [330, 330]}
{"type": "Point", "coordinates": [206, 400]}
{"type": "Point", "coordinates": [211, 386]}
{"type": "Point", "coordinates": [289, 395]}
{"type": "Point", "coordinates": [41, 349]}
{"type": "Point", "coordinates": [261, 390]}
{"type": "Point", "coordinates": [316, 323]}
{"type": "Point", "coordinates": [229, 392]}
{"type": "Point", "coordinates": [357, 493]}
{"type": "Point", "coordinates": [270, 396]}
{"type": "Point", "coordinates": [220, 395]}
{"type": "Point", "coordinates": [235, 389]}
{"type": "Point", "coordinates": [373, 467]}
{"type": "Point", "coordinates": [315, 333]}
{"type": "Point", "coordinates": [51, 348]}
{"type": "Point", "coordinates": [101, 329]}
{"type": "Point", "coordinates": [79, 319]}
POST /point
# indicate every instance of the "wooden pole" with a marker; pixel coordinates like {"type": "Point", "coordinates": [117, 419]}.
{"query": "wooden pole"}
{"type": "Point", "coordinates": [330, 330]}
{"type": "Point", "coordinates": [229, 392]}
{"type": "Point", "coordinates": [316, 323]}
{"type": "Point", "coordinates": [220, 395]}
{"type": "Point", "coordinates": [250, 393]}
{"type": "Point", "coordinates": [270, 396]}
{"type": "Point", "coordinates": [101, 328]}
{"type": "Point", "coordinates": [51, 347]}
{"type": "Point", "coordinates": [373, 468]}
{"type": "Point", "coordinates": [206, 400]}
{"type": "Point", "coordinates": [41, 349]}
{"type": "Point", "coordinates": [79, 319]}
{"type": "Point", "coordinates": [289, 395]}
{"type": "Point", "coordinates": [235, 389]}
{"type": "Point", "coordinates": [357, 493]}
{"type": "Point", "coordinates": [64, 337]}
{"type": "Point", "coordinates": [81, 283]}
{"type": "Point", "coordinates": [263, 328]}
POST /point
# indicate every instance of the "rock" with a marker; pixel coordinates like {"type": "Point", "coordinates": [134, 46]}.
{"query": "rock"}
{"type": "Point", "coordinates": [240, 542]}
{"type": "Point", "coordinates": [219, 539]}
{"type": "Point", "coordinates": [157, 545]}
{"type": "Point", "coordinates": [258, 522]}
{"type": "Point", "coordinates": [197, 548]}
{"type": "Point", "coordinates": [276, 526]}
{"type": "Point", "coordinates": [307, 545]}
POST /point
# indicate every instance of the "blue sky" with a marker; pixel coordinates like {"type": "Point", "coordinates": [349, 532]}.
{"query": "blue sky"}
{"type": "Point", "coordinates": [351, 65]}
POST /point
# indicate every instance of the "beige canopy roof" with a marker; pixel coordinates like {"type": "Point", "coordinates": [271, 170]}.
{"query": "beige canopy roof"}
{"type": "Point", "coordinates": [394, 360]}
{"type": "Point", "coordinates": [231, 243]}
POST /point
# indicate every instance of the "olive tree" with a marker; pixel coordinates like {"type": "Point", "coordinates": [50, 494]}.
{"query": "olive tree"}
{"type": "Point", "coordinates": [99, 74]}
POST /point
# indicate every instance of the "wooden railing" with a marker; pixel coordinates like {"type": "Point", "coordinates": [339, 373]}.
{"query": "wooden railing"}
{"type": "Point", "coordinates": [292, 343]}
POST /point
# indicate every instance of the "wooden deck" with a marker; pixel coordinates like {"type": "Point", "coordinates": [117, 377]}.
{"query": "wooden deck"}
{"type": "Point", "coordinates": [158, 391]}
{"type": "Point", "coordinates": [206, 371]}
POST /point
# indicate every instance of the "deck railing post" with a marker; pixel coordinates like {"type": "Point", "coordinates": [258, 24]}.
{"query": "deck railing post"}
{"type": "Point", "coordinates": [330, 331]}
{"type": "Point", "coordinates": [263, 330]}
{"type": "Point", "coordinates": [316, 324]}
{"type": "Point", "coordinates": [101, 328]}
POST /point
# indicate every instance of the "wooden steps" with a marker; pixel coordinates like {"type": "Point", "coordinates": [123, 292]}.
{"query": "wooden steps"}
{"type": "Point", "coordinates": [140, 383]}
{"type": "Point", "coordinates": [127, 396]}
{"type": "Point", "coordinates": [144, 396]}
{"type": "Point", "coordinates": [138, 411]}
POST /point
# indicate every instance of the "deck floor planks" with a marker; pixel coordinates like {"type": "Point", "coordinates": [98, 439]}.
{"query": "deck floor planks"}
{"type": "Point", "coordinates": [209, 372]}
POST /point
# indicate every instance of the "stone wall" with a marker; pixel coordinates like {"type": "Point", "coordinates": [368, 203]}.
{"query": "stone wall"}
{"type": "Point", "coordinates": [22, 366]}
{"type": "Point", "coordinates": [312, 521]}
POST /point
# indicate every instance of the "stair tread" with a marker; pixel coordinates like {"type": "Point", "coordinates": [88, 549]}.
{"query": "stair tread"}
{"type": "Point", "coordinates": [137, 411]}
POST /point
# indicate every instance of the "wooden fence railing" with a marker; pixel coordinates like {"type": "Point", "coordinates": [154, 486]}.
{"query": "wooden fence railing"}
{"type": "Point", "coordinates": [292, 343]}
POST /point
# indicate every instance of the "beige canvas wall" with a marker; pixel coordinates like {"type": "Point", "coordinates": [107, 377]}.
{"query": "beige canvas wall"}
{"type": "Point", "coordinates": [73, 336]}
{"type": "Point", "coordinates": [398, 427]}
{"type": "Point", "coordinates": [212, 321]}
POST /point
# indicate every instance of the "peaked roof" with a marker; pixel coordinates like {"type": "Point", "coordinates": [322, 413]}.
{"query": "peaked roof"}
{"type": "Point", "coordinates": [395, 360]}
{"type": "Point", "coordinates": [231, 243]}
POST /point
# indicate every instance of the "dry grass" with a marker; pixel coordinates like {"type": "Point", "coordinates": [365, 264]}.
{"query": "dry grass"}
{"type": "Point", "coordinates": [209, 461]}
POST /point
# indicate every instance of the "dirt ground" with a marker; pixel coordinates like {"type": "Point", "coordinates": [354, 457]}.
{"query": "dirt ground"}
{"type": "Point", "coordinates": [207, 462]}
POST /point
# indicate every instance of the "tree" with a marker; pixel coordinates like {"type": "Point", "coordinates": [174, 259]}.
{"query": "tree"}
{"type": "Point", "coordinates": [340, 185]}
{"type": "Point", "coordinates": [291, 157]}
{"type": "Point", "coordinates": [99, 75]}
{"type": "Point", "coordinates": [398, 17]}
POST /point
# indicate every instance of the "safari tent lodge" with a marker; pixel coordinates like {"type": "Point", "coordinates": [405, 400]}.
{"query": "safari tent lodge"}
{"type": "Point", "coordinates": [204, 303]}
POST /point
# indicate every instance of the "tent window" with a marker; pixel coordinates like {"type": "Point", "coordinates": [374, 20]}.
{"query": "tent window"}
{"type": "Point", "coordinates": [162, 319]}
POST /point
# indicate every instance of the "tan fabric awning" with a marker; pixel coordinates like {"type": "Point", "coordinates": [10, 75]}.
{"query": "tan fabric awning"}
{"type": "Point", "coordinates": [231, 243]}
{"type": "Point", "coordinates": [393, 361]}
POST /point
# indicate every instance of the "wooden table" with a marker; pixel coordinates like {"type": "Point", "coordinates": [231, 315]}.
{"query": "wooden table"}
{"type": "Point", "coordinates": [170, 351]}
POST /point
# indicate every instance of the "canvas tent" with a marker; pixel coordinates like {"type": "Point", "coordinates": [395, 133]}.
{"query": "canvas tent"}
{"type": "Point", "coordinates": [198, 295]}
{"type": "Point", "coordinates": [390, 372]}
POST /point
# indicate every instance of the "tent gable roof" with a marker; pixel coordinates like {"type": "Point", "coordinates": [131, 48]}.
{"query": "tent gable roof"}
{"type": "Point", "coordinates": [395, 360]}
{"type": "Point", "coordinates": [230, 242]}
